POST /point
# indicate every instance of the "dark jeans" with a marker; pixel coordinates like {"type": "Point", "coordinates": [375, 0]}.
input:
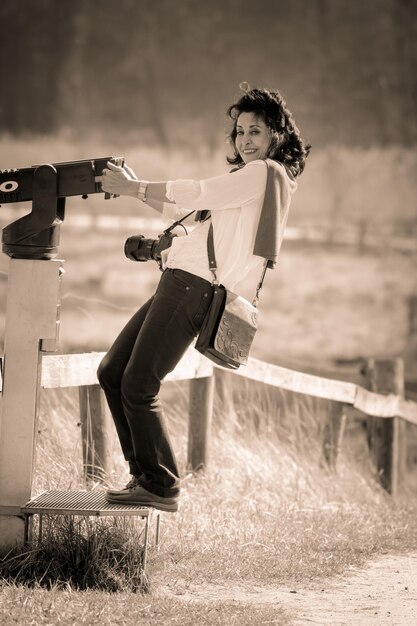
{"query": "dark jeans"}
{"type": "Point", "coordinates": [146, 350]}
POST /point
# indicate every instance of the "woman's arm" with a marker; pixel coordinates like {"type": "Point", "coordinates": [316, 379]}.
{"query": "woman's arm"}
{"type": "Point", "coordinates": [225, 191]}
{"type": "Point", "coordinates": [124, 182]}
{"type": "Point", "coordinates": [221, 192]}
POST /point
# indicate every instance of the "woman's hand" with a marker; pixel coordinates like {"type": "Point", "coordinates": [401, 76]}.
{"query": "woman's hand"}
{"type": "Point", "coordinates": [121, 181]}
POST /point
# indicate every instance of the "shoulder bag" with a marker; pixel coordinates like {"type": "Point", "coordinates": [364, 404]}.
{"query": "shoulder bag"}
{"type": "Point", "coordinates": [231, 322]}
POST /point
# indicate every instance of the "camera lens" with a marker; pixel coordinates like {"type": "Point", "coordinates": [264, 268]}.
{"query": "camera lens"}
{"type": "Point", "coordinates": [132, 247]}
{"type": "Point", "coordinates": [137, 248]}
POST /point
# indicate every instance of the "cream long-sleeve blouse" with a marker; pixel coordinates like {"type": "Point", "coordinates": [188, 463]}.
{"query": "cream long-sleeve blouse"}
{"type": "Point", "coordinates": [235, 201]}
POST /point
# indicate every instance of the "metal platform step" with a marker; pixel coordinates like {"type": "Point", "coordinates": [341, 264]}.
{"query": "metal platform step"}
{"type": "Point", "coordinates": [87, 504]}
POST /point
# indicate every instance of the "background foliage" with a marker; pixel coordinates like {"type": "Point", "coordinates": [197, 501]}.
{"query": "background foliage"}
{"type": "Point", "coordinates": [346, 68]}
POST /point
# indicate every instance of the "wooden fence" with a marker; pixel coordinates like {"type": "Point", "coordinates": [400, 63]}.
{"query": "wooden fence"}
{"type": "Point", "coordinates": [383, 402]}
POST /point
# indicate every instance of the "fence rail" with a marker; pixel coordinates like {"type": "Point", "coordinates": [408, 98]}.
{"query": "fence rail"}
{"type": "Point", "coordinates": [74, 370]}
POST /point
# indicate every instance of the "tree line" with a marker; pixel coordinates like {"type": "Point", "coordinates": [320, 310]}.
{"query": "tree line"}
{"type": "Point", "coordinates": [167, 70]}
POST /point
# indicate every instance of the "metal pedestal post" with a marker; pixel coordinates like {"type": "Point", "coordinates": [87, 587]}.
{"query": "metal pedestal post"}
{"type": "Point", "coordinates": [31, 328]}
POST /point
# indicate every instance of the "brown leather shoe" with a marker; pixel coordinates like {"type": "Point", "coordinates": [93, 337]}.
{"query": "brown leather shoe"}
{"type": "Point", "coordinates": [141, 497]}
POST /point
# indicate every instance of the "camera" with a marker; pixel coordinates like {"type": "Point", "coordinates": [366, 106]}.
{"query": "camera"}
{"type": "Point", "coordinates": [138, 248]}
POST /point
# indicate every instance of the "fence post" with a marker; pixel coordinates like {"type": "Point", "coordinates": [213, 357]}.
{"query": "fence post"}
{"type": "Point", "coordinates": [95, 433]}
{"type": "Point", "coordinates": [410, 353]}
{"type": "Point", "coordinates": [333, 433]}
{"type": "Point", "coordinates": [200, 417]}
{"type": "Point", "coordinates": [362, 233]}
{"type": "Point", "coordinates": [386, 435]}
{"type": "Point", "coordinates": [224, 406]}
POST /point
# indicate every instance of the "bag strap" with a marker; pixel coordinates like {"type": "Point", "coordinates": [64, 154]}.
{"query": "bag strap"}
{"type": "Point", "coordinates": [213, 266]}
{"type": "Point", "coordinates": [211, 254]}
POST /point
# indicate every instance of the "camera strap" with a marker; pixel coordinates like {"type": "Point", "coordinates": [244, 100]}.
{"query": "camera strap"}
{"type": "Point", "coordinates": [178, 223]}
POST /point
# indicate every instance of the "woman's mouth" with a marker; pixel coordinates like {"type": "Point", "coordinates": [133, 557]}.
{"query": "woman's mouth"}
{"type": "Point", "coordinates": [249, 151]}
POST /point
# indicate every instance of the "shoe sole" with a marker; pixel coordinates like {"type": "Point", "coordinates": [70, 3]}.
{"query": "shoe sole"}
{"type": "Point", "coordinates": [161, 506]}
{"type": "Point", "coordinates": [117, 492]}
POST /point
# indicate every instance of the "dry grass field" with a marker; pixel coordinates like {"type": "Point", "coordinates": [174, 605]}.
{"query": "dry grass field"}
{"type": "Point", "coordinates": [265, 513]}
{"type": "Point", "coordinates": [317, 305]}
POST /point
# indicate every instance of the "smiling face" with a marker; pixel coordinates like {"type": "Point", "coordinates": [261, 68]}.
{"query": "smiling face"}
{"type": "Point", "coordinates": [253, 137]}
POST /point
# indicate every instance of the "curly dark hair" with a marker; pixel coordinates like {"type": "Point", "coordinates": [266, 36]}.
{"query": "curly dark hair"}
{"type": "Point", "coordinates": [287, 146]}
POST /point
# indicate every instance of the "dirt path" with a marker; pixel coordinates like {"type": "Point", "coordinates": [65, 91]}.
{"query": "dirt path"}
{"type": "Point", "coordinates": [384, 593]}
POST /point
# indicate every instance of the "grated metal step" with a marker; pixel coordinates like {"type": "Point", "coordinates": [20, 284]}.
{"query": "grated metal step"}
{"type": "Point", "coordinates": [80, 503]}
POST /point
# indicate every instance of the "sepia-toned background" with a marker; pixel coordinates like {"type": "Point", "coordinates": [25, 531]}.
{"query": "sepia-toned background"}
{"type": "Point", "coordinates": [151, 80]}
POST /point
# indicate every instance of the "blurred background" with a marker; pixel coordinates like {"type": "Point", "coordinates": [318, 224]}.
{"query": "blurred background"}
{"type": "Point", "coordinates": [150, 80]}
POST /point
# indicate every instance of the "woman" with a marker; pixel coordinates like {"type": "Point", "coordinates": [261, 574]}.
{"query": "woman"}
{"type": "Point", "coordinates": [267, 147]}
